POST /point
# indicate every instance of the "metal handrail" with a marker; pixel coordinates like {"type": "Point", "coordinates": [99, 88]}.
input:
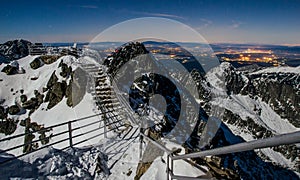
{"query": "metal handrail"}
{"type": "Point", "coordinates": [283, 139]}
{"type": "Point", "coordinates": [156, 144]}
{"type": "Point", "coordinates": [69, 131]}
{"type": "Point", "coordinates": [49, 127]}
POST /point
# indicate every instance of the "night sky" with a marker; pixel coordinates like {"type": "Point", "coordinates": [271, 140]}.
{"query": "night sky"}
{"type": "Point", "coordinates": [266, 22]}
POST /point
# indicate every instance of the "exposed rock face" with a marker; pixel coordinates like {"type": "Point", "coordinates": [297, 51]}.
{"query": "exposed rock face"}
{"type": "Point", "coordinates": [53, 79]}
{"type": "Point", "coordinates": [8, 126]}
{"type": "Point", "coordinates": [13, 68]}
{"type": "Point", "coordinates": [3, 59]}
{"type": "Point", "coordinates": [30, 104]}
{"type": "Point", "coordinates": [3, 113]}
{"type": "Point", "coordinates": [9, 70]}
{"type": "Point", "coordinates": [124, 54]}
{"type": "Point", "coordinates": [36, 63]}
{"type": "Point", "coordinates": [65, 70]}
{"type": "Point", "coordinates": [15, 49]}
{"type": "Point", "coordinates": [280, 90]}
{"type": "Point", "coordinates": [74, 91]}
{"type": "Point", "coordinates": [13, 110]}
{"type": "Point", "coordinates": [33, 103]}
{"type": "Point", "coordinates": [23, 98]}
{"type": "Point", "coordinates": [49, 59]}
{"type": "Point", "coordinates": [237, 165]}
{"type": "Point", "coordinates": [55, 93]}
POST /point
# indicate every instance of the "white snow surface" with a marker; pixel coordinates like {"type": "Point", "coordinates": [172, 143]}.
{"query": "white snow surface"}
{"type": "Point", "coordinates": [280, 69]}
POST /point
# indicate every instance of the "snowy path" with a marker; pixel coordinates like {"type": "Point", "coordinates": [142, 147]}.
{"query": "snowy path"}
{"type": "Point", "coordinates": [122, 145]}
{"type": "Point", "coordinates": [123, 154]}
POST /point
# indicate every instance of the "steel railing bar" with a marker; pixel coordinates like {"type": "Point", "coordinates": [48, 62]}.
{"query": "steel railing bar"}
{"type": "Point", "coordinates": [86, 125]}
{"type": "Point", "coordinates": [91, 138]}
{"type": "Point", "coordinates": [157, 144]}
{"type": "Point", "coordinates": [45, 146]}
{"type": "Point", "coordinates": [184, 177]}
{"type": "Point", "coordinates": [283, 139]}
{"type": "Point", "coordinates": [37, 140]}
{"type": "Point", "coordinates": [90, 131]}
{"type": "Point", "coordinates": [49, 127]}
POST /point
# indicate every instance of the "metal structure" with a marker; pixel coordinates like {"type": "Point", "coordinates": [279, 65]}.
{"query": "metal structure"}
{"type": "Point", "coordinates": [68, 135]}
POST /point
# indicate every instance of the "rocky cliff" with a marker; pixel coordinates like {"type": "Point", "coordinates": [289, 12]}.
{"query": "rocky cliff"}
{"type": "Point", "coordinates": [16, 49]}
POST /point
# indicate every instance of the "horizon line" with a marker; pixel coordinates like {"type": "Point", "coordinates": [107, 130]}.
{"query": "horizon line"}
{"type": "Point", "coordinates": [239, 43]}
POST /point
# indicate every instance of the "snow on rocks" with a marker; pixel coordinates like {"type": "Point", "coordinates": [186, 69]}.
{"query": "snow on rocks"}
{"type": "Point", "coordinates": [281, 69]}
{"type": "Point", "coordinates": [88, 162]}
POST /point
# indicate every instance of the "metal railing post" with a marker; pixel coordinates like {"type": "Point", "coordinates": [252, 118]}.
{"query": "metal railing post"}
{"type": "Point", "coordinates": [105, 131]}
{"type": "Point", "coordinates": [171, 162]}
{"type": "Point", "coordinates": [70, 133]}
{"type": "Point", "coordinates": [167, 169]}
{"type": "Point", "coordinates": [141, 144]}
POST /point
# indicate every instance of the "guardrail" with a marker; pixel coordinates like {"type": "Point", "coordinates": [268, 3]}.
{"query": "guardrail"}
{"type": "Point", "coordinates": [283, 139]}
{"type": "Point", "coordinates": [68, 132]}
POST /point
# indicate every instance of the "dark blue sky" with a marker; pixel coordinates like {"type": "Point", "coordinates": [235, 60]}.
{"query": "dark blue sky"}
{"type": "Point", "coordinates": [268, 22]}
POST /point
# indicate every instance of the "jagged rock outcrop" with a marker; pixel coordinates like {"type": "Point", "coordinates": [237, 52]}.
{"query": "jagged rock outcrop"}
{"type": "Point", "coordinates": [74, 90]}
{"type": "Point", "coordinates": [10, 70]}
{"type": "Point", "coordinates": [122, 55]}
{"type": "Point", "coordinates": [15, 49]}
{"type": "Point", "coordinates": [49, 59]}
{"type": "Point", "coordinates": [236, 165]}
{"type": "Point", "coordinates": [23, 98]}
{"type": "Point", "coordinates": [13, 110]}
{"type": "Point", "coordinates": [65, 69]}
{"type": "Point", "coordinates": [13, 68]}
{"type": "Point", "coordinates": [8, 126]}
{"type": "Point", "coordinates": [33, 103]}
{"type": "Point", "coordinates": [36, 63]}
{"type": "Point", "coordinates": [55, 93]}
{"type": "Point", "coordinates": [279, 90]}
{"type": "Point", "coordinates": [3, 59]}
{"type": "Point", "coordinates": [3, 113]}
{"type": "Point", "coordinates": [30, 104]}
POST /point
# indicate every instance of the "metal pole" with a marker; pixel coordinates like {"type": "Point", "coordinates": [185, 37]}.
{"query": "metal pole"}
{"type": "Point", "coordinates": [141, 143]}
{"type": "Point", "coordinates": [283, 139]}
{"type": "Point", "coordinates": [171, 169]}
{"type": "Point", "coordinates": [167, 169]}
{"type": "Point", "coordinates": [70, 133]}
{"type": "Point", "coordinates": [105, 131]}
{"type": "Point", "coordinates": [156, 144]}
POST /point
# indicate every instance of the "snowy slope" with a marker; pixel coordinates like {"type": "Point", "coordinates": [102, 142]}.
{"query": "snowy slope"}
{"type": "Point", "coordinates": [281, 69]}
{"type": "Point", "coordinates": [251, 110]}
{"type": "Point", "coordinates": [46, 117]}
